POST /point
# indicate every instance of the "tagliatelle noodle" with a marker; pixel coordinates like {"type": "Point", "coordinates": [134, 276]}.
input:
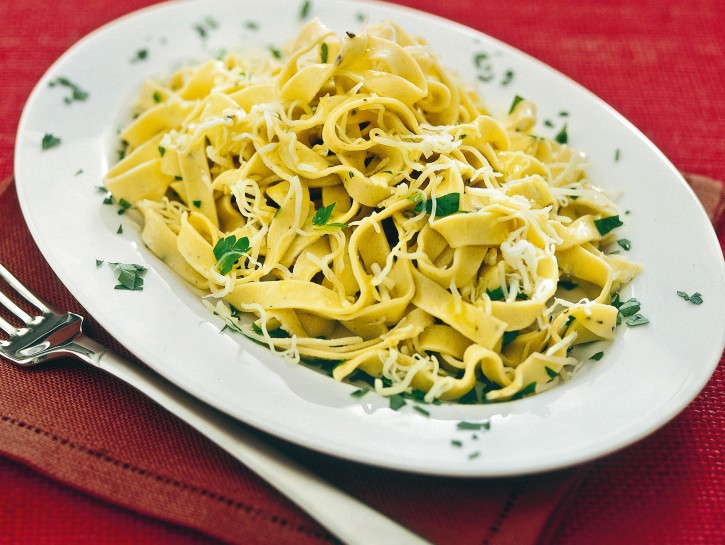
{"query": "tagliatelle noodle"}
{"type": "Point", "coordinates": [448, 232]}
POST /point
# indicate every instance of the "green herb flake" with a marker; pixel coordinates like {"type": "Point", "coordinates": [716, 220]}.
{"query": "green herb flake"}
{"type": "Point", "coordinates": [568, 285]}
{"type": "Point", "coordinates": [551, 372]}
{"type": "Point", "coordinates": [99, 262]}
{"type": "Point", "coordinates": [625, 244]}
{"type": "Point", "coordinates": [360, 392]}
{"type": "Point", "coordinates": [474, 426]}
{"type": "Point", "coordinates": [49, 141]}
{"type": "Point", "coordinates": [323, 53]}
{"type": "Point", "coordinates": [397, 402]}
{"type": "Point", "coordinates": [322, 217]}
{"type": "Point", "coordinates": [480, 58]}
{"type": "Point", "coordinates": [276, 53]}
{"type": "Point", "coordinates": [508, 77]}
{"type": "Point", "coordinates": [129, 276]}
{"type": "Point", "coordinates": [636, 320]}
{"type": "Point", "coordinates": [598, 356]}
{"type": "Point", "coordinates": [228, 250]}
{"type": "Point", "coordinates": [141, 55]}
{"type": "Point", "coordinates": [607, 224]}
{"type": "Point", "coordinates": [125, 205]}
{"type": "Point", "coordinates": [305, 9]}
{"type": "Point", "coordinates": [630, 307]}
{"type": "Point", "coordinates": [445, 205]}
{"type": "Point", "coordinates": [77, 94]}
{"type": "Point", "coordinates": [196, 203]}
{"type": "Point", "coordinates": [421, 410]}
{"type": "Point", "coordinates": [529, 389]}
{"type": "Point", "coordinates": [495, 294]}
{"type": "Point", "coordinates": [508, 337]}
{"type": "Point", "coordinates": [562, 136]}
{"type": "Point", "coordinates": [162, 150]}
{"type": "Point", "coordinates": [456, 443]}
{"type": "Point", "coordinates": [475, 454]}
{"type": "Point", "coordinates": [515, 103]}
{"type": "Point", "coordinates": [119, 231]}
{"type": "Point", "coordinates": [695, 298]}
{"type": "Point", "coordinates": [617, 154]}
{"type": "Point", "coordinates": [157, 97]}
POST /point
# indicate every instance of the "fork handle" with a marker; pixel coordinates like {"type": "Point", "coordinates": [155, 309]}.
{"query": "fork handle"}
{"type": "Point", "coordinates": [352, 521]}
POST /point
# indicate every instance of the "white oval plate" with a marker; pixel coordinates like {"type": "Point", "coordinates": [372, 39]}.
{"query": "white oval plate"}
{"type": "Point", "coordinates": [646, 377]}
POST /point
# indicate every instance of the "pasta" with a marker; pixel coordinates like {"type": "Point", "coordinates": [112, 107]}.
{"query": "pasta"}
{"type": "Point", "coordinates": [356, 205]}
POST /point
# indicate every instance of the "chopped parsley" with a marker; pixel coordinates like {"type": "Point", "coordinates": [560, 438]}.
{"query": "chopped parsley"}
{"type": "Point", "coordinates": [562, 136]}
{"type": "Point", "coordinates": [397, 402]}
{"type": "Point", "coordinates": [508, 337]}
{"type": "Point", "coordinates": [141, 55]}
{"type": "Point", "coordinates": [119, 231]}
{"type": "Point", "coordinates": [598, 356]}
{"type": "Point", "coordinates": [495, 294]}
{"type": "Point", "coordinates": [515, 103]}
{"type": "Point", "coordinates": [605, 225]}
{"type": "Point", "coordinates": [305, 9]}
{"type": "Point", "coordinates": [636, 320]}
{"type": "Point", "coordinates": [508, 77]}
{"type": "Point", "coordinates": [77, 94]}
{"type": "Point", "coordinates": [203, 28]}
{"type": "Point", "coordinates": [323, 53]}
{"type": "Point", "coordinates": [228, 250]}
{"type": "Point", "coordinates": [625, 244]}
{"type": "Point", "coordinates": [49, 141]}
{"type": "Point", "coordinates": [421, 410]}
{"type": "Point", "coordinates": [529, 389]}
{"type": "Point", "coordinates": [630, 307]}
{"type": "Point", "coordinates": [695, 298]}
{"type": "Point", "coordinates": [196, 203]}
{"type": "Point", "coordinates": [322, 217]}
{"type": "Point", "coordinates": [251, 25]}
{"type": "Point", "coordinates": [360, 392]}
{"type": "Point", "coordinates": [480, 58]}
{"type": "Point", "coordinates": [551, 372]}
{"type": "Point", "coordinates": [474, 426]}
{"type": "Point", "coordinates": [276, 53]}
{"type": "Point", "coordinates": [129, 276]}
{"type": "Point", "coordinates": [445, 205]}
{"type": "Point", "coordinates": [125, 205]}
{"type": "Point", "coordinates": [617, 154]}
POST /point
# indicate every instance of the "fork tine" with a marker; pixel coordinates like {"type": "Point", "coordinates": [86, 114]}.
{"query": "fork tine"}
{"type": "Point", "coordinates": [22, 291]}
{"type": "Point", "coordinates": [7, 327]}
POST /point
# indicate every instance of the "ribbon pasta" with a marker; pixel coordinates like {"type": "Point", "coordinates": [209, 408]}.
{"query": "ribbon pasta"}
{"type": "Point", "coordinates": [383, 221]}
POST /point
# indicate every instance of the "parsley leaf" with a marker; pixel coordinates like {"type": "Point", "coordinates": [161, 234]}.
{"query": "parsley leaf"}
{"type": "Point", "coordinates": [322, 217]}
{"type": "Point", "coordinates": [323, 53]}
{"type": "Point", "coordinates": [695, 298]}
{"type": "Point", "coordinates": [228, 251]}
{"type": "Point", "coordinates": [625, 244]}
{"type": "Point", "coordinates": [598, 356]}
{"type": "Point", "coordinates": [49, 141]}
{"type": "Point", "coordinates": [445, 205]}
{"type": "Point", "coordinates": [129, 276]}
{"type": "Point", "coordinates": [515, 103]}
{"type": "Point", "coordinates": [474, 426]}
{"type": "Point", "coordinates": [397, 401]}
{"type": "Point", "coordinates": [562, 137]}
{"type": "Point", "coordinates": [605, 225]}
{"type": "Point", "coordinates": [76, 92]}
{"type": "Point", "coordinates": [636, 320]}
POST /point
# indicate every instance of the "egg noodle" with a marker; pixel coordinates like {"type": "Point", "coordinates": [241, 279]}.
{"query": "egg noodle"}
{"type": "Point", "coordinates": [367, 211]}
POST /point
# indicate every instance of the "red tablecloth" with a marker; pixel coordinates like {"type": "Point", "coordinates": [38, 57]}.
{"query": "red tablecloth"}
{"type": "Point", "coordinates": [658, 62]}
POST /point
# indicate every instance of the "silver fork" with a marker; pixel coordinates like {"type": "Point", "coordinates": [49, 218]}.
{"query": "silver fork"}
{"type": "Point", "coordinates": [52, 334]}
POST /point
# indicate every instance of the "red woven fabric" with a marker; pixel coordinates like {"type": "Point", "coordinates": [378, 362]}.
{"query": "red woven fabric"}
{"type": "Point", "coordinates": [658, 62]}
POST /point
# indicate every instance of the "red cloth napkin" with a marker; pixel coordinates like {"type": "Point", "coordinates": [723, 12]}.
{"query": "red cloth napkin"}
{"type": "Point", "coordinates": [138, 475]}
